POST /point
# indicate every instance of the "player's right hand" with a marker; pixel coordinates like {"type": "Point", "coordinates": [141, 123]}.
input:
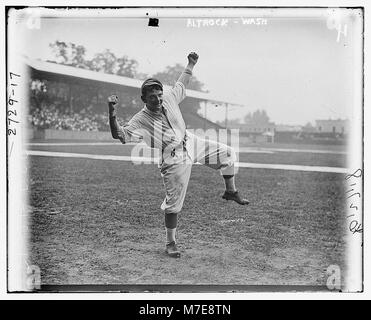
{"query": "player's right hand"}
{"type": "Point", "coordinates": [113, 99]}
{"type": "Point", "coordinates": [112, 103]}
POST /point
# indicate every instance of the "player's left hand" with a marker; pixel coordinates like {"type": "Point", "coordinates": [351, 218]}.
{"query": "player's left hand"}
{"type": "Point", "coordinates": [192, 58]}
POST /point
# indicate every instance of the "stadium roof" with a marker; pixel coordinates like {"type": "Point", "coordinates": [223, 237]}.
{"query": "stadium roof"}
{"type": "Point", "coordinates": [68, 71]}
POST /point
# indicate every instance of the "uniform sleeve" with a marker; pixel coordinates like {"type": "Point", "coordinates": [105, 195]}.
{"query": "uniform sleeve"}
{"type": "Point", "coordinates": [130, 132]}
{"type": "Point", "coordinates": [133, 131]}
{"type": "Point", "coordinates": [178, 92]}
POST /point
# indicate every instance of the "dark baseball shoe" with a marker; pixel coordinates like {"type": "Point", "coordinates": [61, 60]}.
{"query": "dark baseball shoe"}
{"type": "Point", "coordinates": [235, 196]}
{"type": "Point", "coordinates": [172, 250]}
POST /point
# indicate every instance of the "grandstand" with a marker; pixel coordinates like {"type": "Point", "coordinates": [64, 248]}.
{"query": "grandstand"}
{"type": "Point", "coordinates": [195, 121]}
{"type": "Point", "coordinates": [73, 83]}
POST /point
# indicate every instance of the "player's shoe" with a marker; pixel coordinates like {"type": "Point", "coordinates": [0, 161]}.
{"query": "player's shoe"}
{"type": "Point", "coordinates": [172, 250]}
{"type": "Point", "coordinates": [235, 196]}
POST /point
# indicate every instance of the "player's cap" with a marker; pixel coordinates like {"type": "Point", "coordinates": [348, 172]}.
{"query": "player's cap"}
{"type": "Point", "coordinates": [150, 82]}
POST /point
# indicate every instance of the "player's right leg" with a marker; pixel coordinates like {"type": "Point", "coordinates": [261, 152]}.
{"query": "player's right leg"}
{"type": "Point", "coordinates": [171, 222]}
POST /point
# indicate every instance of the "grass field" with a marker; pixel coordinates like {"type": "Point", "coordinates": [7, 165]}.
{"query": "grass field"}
{"type": "Point", "coordinates": [99, 222]}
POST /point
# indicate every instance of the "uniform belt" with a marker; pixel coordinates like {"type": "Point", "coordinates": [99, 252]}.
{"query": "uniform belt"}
{"type": "Point", "coordinates": [183, 144]}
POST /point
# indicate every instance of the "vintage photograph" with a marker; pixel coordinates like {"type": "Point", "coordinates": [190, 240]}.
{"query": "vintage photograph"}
{"type": "Point", "coordinates": [185, 149]}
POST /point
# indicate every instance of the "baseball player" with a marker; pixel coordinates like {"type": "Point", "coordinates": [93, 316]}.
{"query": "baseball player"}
{"type": "Point", "coordinates": [160, 124]}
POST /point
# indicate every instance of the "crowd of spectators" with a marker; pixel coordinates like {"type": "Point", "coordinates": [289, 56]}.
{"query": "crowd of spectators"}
{"type": "Point", "coordinates": [49, 117]}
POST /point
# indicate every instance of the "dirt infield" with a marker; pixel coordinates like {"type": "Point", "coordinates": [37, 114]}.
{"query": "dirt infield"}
{"type": "Point", "coordinates": [99, 222]}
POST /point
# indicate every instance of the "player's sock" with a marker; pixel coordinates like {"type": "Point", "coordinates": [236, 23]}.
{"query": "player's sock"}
{"type": "Point", "coordinates": [171, 221]}
{"type": "Point", "coordinates": [229, 183]}
{"type": "Point", "coordinates": [170, 235]}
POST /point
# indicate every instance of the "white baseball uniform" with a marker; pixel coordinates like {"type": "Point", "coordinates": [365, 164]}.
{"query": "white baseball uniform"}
{"type": "Point", "coordinates": [166, 130]}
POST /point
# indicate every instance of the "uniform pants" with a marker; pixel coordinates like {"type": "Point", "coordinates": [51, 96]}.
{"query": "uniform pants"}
{"type": "Point", "coordinates": [176, 167]}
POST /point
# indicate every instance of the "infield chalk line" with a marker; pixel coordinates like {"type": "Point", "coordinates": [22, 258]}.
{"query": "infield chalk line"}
{"type": "Point", "coordinates": [72, 144]}
{"type": "Point", "coordinates": [246, 149]}
{"type": "Point", "coordinates": [155, 161]}
{"type": "Point", "coordinates": [240, 150]}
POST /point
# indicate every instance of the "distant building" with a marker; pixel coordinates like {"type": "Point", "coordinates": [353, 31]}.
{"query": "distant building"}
{"type": "Point", "coordinates": [288, 128]}
{"type": "Point", "coordinates": [332, 126]}
{"type": "Point", "coordinates": [258, 128]}
{"type": "Point", "coordinates": [259, 132]}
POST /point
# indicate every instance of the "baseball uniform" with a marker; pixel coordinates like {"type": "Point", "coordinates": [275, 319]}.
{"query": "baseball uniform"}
{"type": "Point", "coordinates": [180, 149]}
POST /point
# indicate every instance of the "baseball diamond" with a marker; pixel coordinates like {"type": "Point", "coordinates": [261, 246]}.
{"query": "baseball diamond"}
{"type": "Point", "coordinates": [185, 149]}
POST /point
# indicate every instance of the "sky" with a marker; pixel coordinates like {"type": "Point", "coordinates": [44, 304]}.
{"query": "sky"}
{"type": "Point", "coordinates": [296, 68]}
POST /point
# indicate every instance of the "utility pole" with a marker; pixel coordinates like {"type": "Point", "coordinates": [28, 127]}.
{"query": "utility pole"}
{"type": "Point", "coordinates": [70, 97]}
{"type": "Point", "coordinates": [226, 116]}
{"type": "Point", "coordinates": [205, 104]}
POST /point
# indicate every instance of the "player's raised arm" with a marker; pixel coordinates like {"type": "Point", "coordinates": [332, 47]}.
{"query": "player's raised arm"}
{"type": "Point", "coordinates": [116, 130]}
{"type": "Point", "coordinates": [130, 132]}
{"type": "Point", "coordinates": [187, 73]}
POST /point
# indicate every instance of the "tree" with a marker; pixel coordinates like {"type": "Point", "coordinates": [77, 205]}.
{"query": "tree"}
{"type": "Point", "coordinates": [78, 56]}
{"type": "Point", "coordinates": [69, 54]}
{"type": "Point", "coordinates": [127, 67]}
{"type": "Point", "coordinates": [74, 55]}
{"type": "Point", "coordinates": [104, 62]}
{"type": "Point", "coordinates": [257, 117]}
{"type": "Point", "coordinates": [247, 118]}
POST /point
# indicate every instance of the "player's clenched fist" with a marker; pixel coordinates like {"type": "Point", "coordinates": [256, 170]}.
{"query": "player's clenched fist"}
{"type": "Point", "coordinates": [192, 58]}
{"type": "Point", "coordinates": [113, 99]}
{"type": "Point", "coordinates": [112, 103]}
